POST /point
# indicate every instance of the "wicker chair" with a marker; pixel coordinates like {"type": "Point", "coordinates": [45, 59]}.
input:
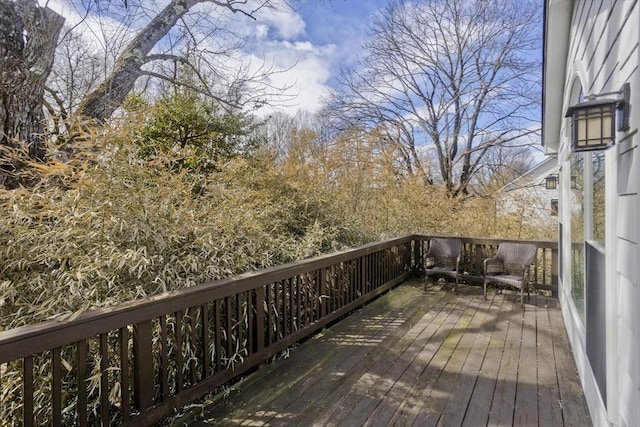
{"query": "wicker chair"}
{"type": "Point", "coordinates": [443, 258]}
{"type": "Point", "coordinates": [510, 267]}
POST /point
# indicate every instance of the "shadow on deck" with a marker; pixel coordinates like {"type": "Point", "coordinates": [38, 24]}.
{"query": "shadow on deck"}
{"type": "Point", "coordinates": [416, 357]}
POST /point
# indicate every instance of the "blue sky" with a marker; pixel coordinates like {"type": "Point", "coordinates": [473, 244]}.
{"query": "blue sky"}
{"type": "Point", "coordinates": [330, 36]}
{"type": "Point", "coordinates": [311, 41]}
{"type": "Point", "coordinates": [341, 22]}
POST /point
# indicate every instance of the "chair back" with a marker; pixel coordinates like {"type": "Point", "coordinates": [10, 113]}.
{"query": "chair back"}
{"type": "Point", "coordinates": [445, 247]}
{"type": "Point", "coordinates": [517, 253]}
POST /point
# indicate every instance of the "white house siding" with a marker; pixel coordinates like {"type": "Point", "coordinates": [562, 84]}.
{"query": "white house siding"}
{"type": "Point", "coordinates": [628, 311]}
{"type": "Point", "coordinates": [603, 53]}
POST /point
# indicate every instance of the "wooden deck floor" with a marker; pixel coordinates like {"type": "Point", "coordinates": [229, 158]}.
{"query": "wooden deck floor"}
{"type": "Point", "coordinates": [424, 358]}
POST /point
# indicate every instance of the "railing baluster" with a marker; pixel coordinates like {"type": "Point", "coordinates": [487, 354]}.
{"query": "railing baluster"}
{"type": "Point", "coordinates": [304, 296]}
{"type": "Point", "coordinates": [299, 301]}
{"type": "Point", "coordinates": [228, 329]}
{"type": "Point", "coordinates": [217, 319]}
{"type": "Point", "coordinates": [193, 346]}
{"type": "Point", "coordinates": [81, 354]}
{"type": "Point", "coordinates": [104, 380]}
{"type": "Point", "coordinates": [331, 288]}
{"type": "Point", "coordinates": [251, 339]}
{"type": "Point", "coordinates": [355, 284]}
{"type": "Point", "coordinates": [342, 284]}
{"type": "Point", "coordinates": [206, 356]}
{"type": "Point", "coordinates": [164, 362]}
{"type": "Point", "coordinates": [324, 294]}
{"type": "Point", "coordinates": [178, 350]}
{"type": "Point", "coordinates": [259, 318]}
{"type": "Point", "coordinates": [374, 271]}
{"type": "Point", "coordinates": [27, 390]}
{"type": "Point", "coordinates": [285, 308]}
{"type": "Point", "coordinates": [362, 278]}
{"type": "Point", "coordinates": [269, 308]}
{"type": "Point", "coordinates": [278, 311]}
{"type": "Point", "coordinates": [123, 340]}
{"type": "Point", "coordinates": [56, 387]}
{"type": "Point", "coordinates": [239, 322]}
{"type": "Point", "coordinates": [293, 304]}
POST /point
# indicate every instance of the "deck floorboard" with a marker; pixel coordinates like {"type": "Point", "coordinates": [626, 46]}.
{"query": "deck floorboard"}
{"type": "Point", "coordinates": [418, 357]}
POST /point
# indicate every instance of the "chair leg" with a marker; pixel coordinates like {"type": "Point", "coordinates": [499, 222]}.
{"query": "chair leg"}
{"type": "Point", "coordinates": [485, 289]}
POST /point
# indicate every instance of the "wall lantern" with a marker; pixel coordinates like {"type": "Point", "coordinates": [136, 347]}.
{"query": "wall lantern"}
{"type": "Point", "coordinates": [551, 182]}
{"type": "Point", "coordinates": [594, 121]}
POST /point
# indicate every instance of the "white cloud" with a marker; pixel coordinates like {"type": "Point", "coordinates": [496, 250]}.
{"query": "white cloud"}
{"type": "Point", "coordinates": [304, 70]}
{"type": "Point", "coordinates": [286, 23]}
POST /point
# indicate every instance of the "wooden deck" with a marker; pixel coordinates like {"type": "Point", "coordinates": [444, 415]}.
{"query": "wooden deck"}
{"type": "Point", "coordinates": [416, 357]}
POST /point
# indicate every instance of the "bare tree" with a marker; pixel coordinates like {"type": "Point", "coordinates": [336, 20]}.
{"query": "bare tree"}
{"type": "Point", "coordinates": [109, 95]}
{"type": "Point", "coordinates": [29, 34]}
{"type": "Point", "coordinates": [446, 78]}
{"type": "Point", "coordinates": [76, 69]}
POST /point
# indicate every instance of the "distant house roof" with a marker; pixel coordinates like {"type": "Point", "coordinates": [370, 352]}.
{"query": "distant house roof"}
{"type": "Point", "coordinates": [536, 174]}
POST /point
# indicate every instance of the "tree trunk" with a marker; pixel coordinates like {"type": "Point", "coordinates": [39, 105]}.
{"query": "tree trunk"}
{"type": "Point", "coordinates": [28, 37]}
{"type": "Point", "coordinates": [110, 95]}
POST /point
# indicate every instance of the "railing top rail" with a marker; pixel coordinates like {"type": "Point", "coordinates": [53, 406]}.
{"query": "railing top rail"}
{"type": "Point", "coordinates": [552, 244]}
{"type": "Point", "coordinates": [30, 339]}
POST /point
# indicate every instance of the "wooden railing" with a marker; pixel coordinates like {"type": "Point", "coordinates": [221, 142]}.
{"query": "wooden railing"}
{"type": "Point", "coordinates": [136, 362]}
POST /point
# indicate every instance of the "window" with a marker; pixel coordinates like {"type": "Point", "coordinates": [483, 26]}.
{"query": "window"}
{"type": "Point", "coordinates": [577, 233]}
{"type": "Point", "coordinates": [597, 197]}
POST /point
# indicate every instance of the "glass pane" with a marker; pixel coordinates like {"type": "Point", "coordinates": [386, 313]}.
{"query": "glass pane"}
{"type": "Point", "coordinates": [597, 158]}
{"type": "Point", "coordinates": [582, 130]}
{"type": "Point", "coordinates": [606, 128]}
{"type": "Point", "coordinates": [577, 234]}
{"type": "Point", "coordinates": [594, 130]}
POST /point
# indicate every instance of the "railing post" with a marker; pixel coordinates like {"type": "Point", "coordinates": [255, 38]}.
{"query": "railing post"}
{"type": "Point", "coordinates": [143, 365]}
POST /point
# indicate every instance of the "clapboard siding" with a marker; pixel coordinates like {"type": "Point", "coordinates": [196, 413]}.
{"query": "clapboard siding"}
{"type": "Point", "coordinates": [583, 32]}
{"type": "Point", "coordinates": [629, 67]}
{"type": "Point", "coordinates": [627, 226]}
{"type": "Point", "coordinates": [613, 45]}
{"type": "Point", "coordinates": [604, 52]}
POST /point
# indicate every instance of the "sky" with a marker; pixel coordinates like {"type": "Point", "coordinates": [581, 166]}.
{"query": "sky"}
{"type": "Point", "coordinates": [310, 41]}
{"type": "Point", "coordinates": [318, 37]}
